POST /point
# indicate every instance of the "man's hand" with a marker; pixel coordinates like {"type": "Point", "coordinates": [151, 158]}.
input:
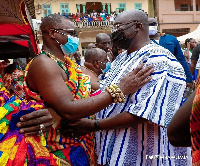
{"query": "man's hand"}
{"type": "Point", "coordinates": [30, 123]}
{"type": "Point", "coordinates": [188, 45]}
{"type": "Point", "coordinates": [82, 127]}
{"type": "Point", "coordinates": [134, 80]}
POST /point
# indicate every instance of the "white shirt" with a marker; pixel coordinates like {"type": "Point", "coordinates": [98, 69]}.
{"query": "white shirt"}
{"type": "Point", "coordinates": [144, 144]}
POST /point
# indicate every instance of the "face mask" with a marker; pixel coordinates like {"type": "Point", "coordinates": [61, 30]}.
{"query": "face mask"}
{"type": "Point", "coordinates": [153, 30]}
{"type": "Point", "coordinates": [71, 46]}
{"type": "Point", "coordinates": [108, 65]}
{"type": "Point", "coordinates": [120, 40]}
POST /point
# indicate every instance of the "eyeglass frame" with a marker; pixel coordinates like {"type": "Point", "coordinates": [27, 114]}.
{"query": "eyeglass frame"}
{"type": "Point", "coordinates": [103, 62]}
{"type": "Point", "coordinates": [122, 24]}
{"type": "Point", "coordinates": [74, 32]}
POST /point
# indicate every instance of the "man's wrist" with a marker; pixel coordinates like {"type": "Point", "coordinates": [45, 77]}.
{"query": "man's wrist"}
{"type": "Point", "coordinates": [96, 125]}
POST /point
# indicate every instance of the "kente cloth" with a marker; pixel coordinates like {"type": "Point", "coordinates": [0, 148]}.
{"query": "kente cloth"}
{"type": "Point", "coordinates": [144, 144]}
{"type": "Point", "coordinates": [14, 83]}
{"type": "Point", "coordinates": [51, 148]}
{"type": "Point", "coordinates": [195, 129]}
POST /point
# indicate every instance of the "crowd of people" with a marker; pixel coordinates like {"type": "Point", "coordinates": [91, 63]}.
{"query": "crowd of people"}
{"type": "Point", "coordinates": [112, 106]}
{"type": "Point", "coordinates": [93, 16]}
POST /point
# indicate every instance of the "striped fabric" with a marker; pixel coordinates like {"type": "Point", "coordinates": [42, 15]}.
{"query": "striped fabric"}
{"type": "Point", "coordinates": [144, 144]}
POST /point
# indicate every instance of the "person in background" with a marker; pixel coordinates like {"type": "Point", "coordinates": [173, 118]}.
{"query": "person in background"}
{"type": "Point", "coordinates": [195, 62]}
{"type": "Point", "coordinates": [77, 57]}
{"type": "Point", "coordinates": [103, 41]}
{"type": "Point", "coordinates": [190, 43]}
{"type": "Point", "coordinates": [171, 43]}
{"type": "Point", "coordinates": [13, 80]}
{"type": "Point", "coordinates": [96, 63]}
{"type": "Point", "coordinates": [90, 45]}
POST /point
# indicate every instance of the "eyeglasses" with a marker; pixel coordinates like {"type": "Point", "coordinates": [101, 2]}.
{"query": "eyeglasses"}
{"type": "Point", "coordinates": [119, 25]}
{"type": "Point", "coordinates": [72, 32]}
{"type": "Point", "coordinates": [103, 62]}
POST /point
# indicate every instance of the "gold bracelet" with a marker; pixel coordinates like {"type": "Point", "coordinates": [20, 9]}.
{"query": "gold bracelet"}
{"type": "Point", "coordinates": [116, 93]}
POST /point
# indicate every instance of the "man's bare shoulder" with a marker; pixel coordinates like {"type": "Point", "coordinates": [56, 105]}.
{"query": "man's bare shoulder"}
{"type": "Point", "coordinates": [42, 69]}
{"type": "Point", "coordinates": [43, 63]}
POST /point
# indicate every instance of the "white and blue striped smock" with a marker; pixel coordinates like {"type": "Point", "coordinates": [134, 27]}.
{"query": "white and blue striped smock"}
{"type": "Point", "coordinates": [144, 144]}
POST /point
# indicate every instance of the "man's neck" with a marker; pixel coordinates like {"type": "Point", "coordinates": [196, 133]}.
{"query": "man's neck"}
{"type": "Point", "coordinates": [134, 47]}
{"type": "Point", "coordinates": [55, 51]}
{"type": "Point", "coordinates": [91, 68]}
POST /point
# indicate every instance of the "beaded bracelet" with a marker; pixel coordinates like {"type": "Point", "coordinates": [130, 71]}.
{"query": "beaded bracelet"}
{"type": "Point", "coordinates": [116, 93]}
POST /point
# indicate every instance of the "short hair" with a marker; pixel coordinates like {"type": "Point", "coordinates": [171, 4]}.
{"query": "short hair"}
{"type": "Point", "coordinates": [52, 21]}
{"type": "Point", "coordinates": [92, 54]}
{"type": "Point", "coordinates": [100, 36]}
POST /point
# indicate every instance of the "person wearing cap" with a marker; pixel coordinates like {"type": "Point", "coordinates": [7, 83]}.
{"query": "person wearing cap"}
{"type": "Point", "coordinates": [171, 43]}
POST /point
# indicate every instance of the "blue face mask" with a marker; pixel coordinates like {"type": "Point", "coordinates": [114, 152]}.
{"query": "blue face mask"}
{"type": "Point", "coordinates": [71, 46]}
{"type": "Point", "coordinates": [108, 65]}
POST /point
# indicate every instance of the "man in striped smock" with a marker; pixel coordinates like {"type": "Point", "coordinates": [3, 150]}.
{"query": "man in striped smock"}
{"type": "Point", "coordinates": [135, 132]}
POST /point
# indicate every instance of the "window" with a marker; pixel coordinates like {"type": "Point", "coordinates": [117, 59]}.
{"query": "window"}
{"type": "Point", "coordinates": [138, 6]}
{"type": "Point", "coordinates": [184, 7]}
{"type": "Point", "coordinates": [64, 8]}
{"type": "Point", "coordinates": [46, 9]}
{"type": "Point", "coordinates": [122, 7]}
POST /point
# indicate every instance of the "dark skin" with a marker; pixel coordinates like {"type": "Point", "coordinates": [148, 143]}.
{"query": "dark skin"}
{"type": "Point", "coordinates": [95, 65]}
{"type": "Point", "coordinates": [29, 123]}
{"type": "Point", "coordinates": [45, 74]}
{"type": "Point", "coordinates": [103, 41]}
{"type": "Point", "coordinates": [179, 128]}
{"type": "Point", "coordinates": [125, 119]}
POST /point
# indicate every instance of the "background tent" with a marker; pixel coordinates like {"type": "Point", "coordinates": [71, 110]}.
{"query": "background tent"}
{"type": "Point", "coordinates": [17, 38]}
{"type": "Point", "coordinates": [195, 35]}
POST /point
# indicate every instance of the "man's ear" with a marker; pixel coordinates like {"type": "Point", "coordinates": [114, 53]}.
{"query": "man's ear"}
{"type": "Point", "coordinates": [96, 64]}
{"type": "Point", "coordinates": [51, 33]}
{"type": "Point", "coordinates": [138, 25]}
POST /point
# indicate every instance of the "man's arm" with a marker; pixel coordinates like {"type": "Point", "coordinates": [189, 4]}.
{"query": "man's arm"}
{"type": "Point", "coordinates": [47, 78]}
{"type": "Point", "coordinates": [193, 66]}
{"type": "Point", "coordinates": [194, 59]}
{"type": "Point", "coordinates": [85, 126]}
{"type": "Point", "coordinates": [179, 128]}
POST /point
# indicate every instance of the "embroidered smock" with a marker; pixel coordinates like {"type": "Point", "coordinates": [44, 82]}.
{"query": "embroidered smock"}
{"type": "Point", "coordinates": [144, 144]}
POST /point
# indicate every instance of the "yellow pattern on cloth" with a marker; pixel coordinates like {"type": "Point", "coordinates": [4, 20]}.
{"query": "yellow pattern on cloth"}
{"type": "Point", "coordinates": [80, 87]}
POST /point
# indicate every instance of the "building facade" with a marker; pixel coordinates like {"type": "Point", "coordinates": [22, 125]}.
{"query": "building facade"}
{"type": "Point", "coordinates": [177, 17]}
{"type": "Point", "coordinates": [64, 7]}
{"type": "Point", "coordinates": [46, 7]}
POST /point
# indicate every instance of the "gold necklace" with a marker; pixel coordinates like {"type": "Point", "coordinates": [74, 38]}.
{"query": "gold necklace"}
{"type": "Point", "coordinates": [90, 70]}
{"type": "Point", "coordinates": [56, 59]}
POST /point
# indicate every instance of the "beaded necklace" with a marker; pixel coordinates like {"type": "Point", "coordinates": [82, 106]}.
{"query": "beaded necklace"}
{"type": "Point", "coordinates": [90, 70]}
